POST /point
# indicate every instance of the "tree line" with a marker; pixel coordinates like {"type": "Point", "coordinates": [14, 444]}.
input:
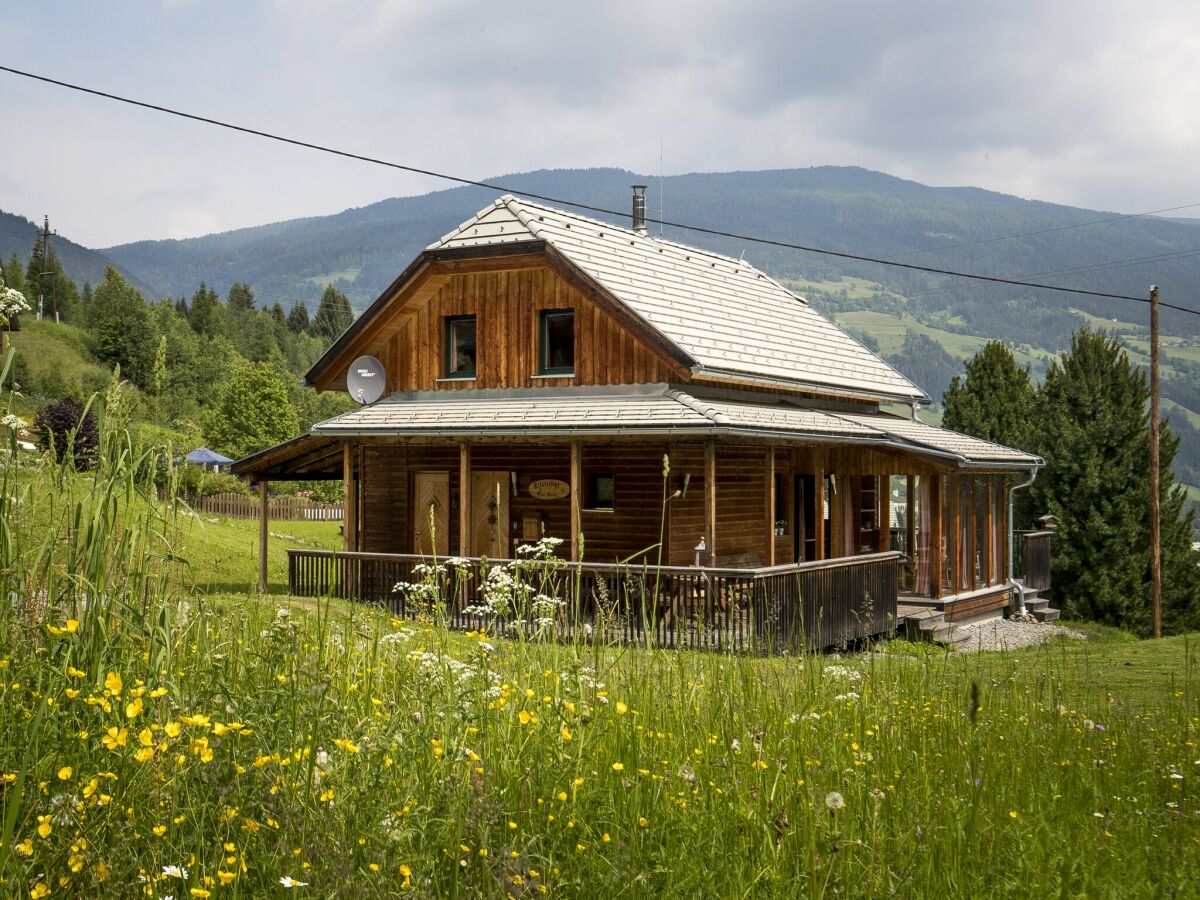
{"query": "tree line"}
{"type": "Point", "coordinates": [207, 368]}
{"type": "Point", "coordinates": [1089, 420]}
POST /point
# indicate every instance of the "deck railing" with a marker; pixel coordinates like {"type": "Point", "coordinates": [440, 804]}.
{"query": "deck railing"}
{"type": "Point", "coordinates": [1031, 562]}
{"type": "Point", "coordinates": [764, 610]}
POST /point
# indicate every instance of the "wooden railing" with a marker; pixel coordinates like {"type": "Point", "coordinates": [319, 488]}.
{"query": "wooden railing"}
{"type": "Point", "coordinates": [765, 610]}
{"type": "Point", "coordinates": [239, 506]}
{"type": "Point", "coordinates": [1031, 561]}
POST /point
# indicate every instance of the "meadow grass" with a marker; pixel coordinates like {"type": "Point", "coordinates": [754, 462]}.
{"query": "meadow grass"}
{"type": "Point", "coordinates": [159, 739]}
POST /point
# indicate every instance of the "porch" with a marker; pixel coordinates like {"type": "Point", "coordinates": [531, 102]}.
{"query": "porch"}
{"type": "Point", "coordinates": [765, 610]}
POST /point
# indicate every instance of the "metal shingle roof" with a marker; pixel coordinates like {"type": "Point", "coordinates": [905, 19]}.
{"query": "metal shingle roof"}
{"type": "Point", "coordinates": [970, 448]}
{"type": "Point", "coordinates": [726, 315]}
{"type": "Point", "coordinates": [651, 409]}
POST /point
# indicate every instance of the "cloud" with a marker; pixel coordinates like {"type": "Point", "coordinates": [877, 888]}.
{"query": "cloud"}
{"type": "Point", "coordinates": [1090, 104]}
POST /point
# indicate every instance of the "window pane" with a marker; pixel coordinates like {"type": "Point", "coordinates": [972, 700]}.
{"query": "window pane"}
{"type": "Point", "coordinates": [600, 491]}
{"type": "Point", "coordinates": [558, 336]}
{"type": "Point", "coordinates": [460, 346]}
{"type": "Point", "coordinates": [981, 532]}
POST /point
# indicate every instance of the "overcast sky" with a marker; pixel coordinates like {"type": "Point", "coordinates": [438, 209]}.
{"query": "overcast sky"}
{"type": "Point", "coordinates": [1093, 104]}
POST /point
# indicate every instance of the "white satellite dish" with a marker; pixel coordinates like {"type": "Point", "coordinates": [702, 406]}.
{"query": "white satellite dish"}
{"type": "Point", "coordinates": [366, 380]}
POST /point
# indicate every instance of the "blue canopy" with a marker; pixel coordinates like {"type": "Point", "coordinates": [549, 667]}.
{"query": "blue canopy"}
{"type": "Point", "coordinates": [202, 456]}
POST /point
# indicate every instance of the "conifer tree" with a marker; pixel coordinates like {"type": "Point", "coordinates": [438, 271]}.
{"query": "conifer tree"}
{"type": "Point", "coordinates": [297, 319]}
{"type": "Point", "coordinates": [241, 298]}
{"type": "Point", "coordinates": [1094, 433]}
{"type": "Point", "coordinates": [993, 400]}
{"type": "Point", "coordinates": [121, 327]}
{"type": "Point", "coordinates": [334, 314]}
{"type": "Point", "coordinates": [207, 314]}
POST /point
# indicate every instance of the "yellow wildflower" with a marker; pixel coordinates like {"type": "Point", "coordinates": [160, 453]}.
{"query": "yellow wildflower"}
{"type": "Point", "coordinates": [406, 874]}
{"type": "Point", "coordinates": [64, 774]}
{"type": "Point", "coordinates": [200, 720]}
{"type": "Point", "coordinates": [158, 692]}
{"type": "Point", "coordinates": [622, 708]}
{"type": "Point", "coordinates": [171, 729]}
{"type": "Point", "coordinates": [71, 693]}
{"type": "Point", "coordinates": [44, 826]}
{"type": "Point", "coordinates": [115, 738]}
{"type": "Point", "coordinates": [113, 684]}
{"type": "Point", "coordinates": [134, 709]}
{"type": "Point", "coordinates": [41, 889]}
{"type": "Point", "coordinates": [226, 878]}
{"type": "Point", "coordinates": [618, 767]}
{"type": "Point", "coordinates": [25, 848]}
{"type": "Point", "coordinates": [75, 673]}
{"type": "Point", "coordinates": [72, 626]}
{"type": "Point", "coordinates": [159, 830]}
{"type": "Point", "coordinates": [344, 744]}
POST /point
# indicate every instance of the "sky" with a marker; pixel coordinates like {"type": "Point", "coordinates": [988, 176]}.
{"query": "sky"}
{"type": "Point", "coordinates": [1086, 103]}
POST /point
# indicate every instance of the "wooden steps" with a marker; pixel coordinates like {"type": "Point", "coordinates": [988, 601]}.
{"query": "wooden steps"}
{"type": "Point", "coordinates": [1039, 607]}
{"type": "Point", "coordinates": [920, 623]}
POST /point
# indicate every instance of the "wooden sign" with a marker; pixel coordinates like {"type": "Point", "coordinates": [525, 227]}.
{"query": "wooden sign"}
{"type": "Point", "coordinates": [531, 527]}
{"type": "Point", "coordinates": [549, 489]}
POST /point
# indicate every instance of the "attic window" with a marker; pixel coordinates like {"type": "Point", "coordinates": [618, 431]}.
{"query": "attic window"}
{"type": "Point", "coordinates": [460, 346]}
{"type": "Point", "coordinates": [557, 342]}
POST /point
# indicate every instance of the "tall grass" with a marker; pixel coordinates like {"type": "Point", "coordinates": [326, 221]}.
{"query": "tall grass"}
{"type": "Point", "coordinates": [177, 745]}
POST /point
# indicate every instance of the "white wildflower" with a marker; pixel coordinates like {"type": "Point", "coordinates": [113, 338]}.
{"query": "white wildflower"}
{"type": "Point", "coordinates": [289, 882]}
{"type": "Point", "coordinates": [835, 801]}
{"type": "Point", "coordinates": [175, 872]}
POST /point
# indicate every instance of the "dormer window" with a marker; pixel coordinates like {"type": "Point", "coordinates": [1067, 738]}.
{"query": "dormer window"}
{"type": "Point", "coordinates": [460, 347]}
{"type": "Point", "coordinates": [557, 342]}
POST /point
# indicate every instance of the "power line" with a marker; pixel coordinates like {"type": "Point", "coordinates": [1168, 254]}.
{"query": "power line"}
{"type": "Point", "coordinates": [346, 154]}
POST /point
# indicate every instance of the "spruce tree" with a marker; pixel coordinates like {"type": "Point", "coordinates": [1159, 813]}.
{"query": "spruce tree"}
{"type": "Point", "coordinates": [993, 400]}
{"type": "Point", "coordinates": [297, 319]}
{"type": "Point", "coordinates": [241, 298]}
{"type": "Point", "coordinates": [207, 313]}
{"type": "Point", "coordinates": [121, 328]}
{"type": "Point", "coordinates": [1094, 433]}
{"type": "Point", "coordinates": [334, 314]}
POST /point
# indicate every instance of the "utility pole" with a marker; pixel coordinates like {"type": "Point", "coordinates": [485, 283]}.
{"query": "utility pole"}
{"type": "Point", "coordinates": [1155, 514]}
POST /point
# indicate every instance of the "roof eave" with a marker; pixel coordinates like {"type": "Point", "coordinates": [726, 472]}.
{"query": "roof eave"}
{"type": "Point", "coordinates": [815, 386]}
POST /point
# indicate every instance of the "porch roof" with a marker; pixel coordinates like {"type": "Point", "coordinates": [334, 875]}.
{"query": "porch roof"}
{"type": "Point", "coordinates": [658, 410]}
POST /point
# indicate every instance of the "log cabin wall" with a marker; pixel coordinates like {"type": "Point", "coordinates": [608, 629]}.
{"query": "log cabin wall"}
{"type": "Point", "coordinates": [507, 305]}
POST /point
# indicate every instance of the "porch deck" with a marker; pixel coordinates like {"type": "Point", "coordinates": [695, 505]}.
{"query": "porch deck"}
{"type": "Point", "coordinates": [767, 610]}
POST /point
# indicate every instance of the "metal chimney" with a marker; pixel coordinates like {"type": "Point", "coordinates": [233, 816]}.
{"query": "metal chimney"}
{"type": "Point", "coordinates": [639, 208]}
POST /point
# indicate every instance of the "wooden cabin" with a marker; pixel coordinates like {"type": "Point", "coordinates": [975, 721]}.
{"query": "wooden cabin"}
{"type": "Point", "coordinates": [640, 399]}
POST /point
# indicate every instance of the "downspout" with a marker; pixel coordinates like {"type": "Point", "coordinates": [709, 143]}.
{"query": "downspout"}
{"type": "Point", "coordinates": [1012, 581]}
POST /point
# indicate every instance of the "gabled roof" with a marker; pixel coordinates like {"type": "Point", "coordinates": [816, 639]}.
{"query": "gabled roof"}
{"type": "Point", "coordinates": [653, 410]}
{"type": "Point", "coordinates": [724, 318]}
{"type": "Point", "coordinates": [726, 315]}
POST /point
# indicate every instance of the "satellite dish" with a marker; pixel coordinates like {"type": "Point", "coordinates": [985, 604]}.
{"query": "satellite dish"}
{"type": "Point", "coordinates": [366, 380]}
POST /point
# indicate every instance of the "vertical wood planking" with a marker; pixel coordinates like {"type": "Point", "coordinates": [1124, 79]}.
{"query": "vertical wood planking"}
{"type": "Point", "coordinates": [883, 490]}
{"type": "Point", "coordinates": [956, 530]}
{"type": "Point", "coordinates": [989, 561]}
{"type": "Point", "coordinates": [935, 562]}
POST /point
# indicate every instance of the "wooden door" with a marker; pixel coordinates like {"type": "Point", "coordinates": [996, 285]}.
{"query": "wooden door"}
{"type": "Point", "coordinates": [431, 510]}
{"type": "Point", "coordinates": [489, 514]}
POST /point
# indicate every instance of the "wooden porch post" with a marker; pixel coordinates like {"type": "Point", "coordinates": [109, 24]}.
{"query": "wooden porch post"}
{"type": "Point", "coordinates": [956, 531]}
{"type": "Point", "coordinates": [883, 489]}
{"type": "Point", "coordinates": [835, 516]}
{"type": "Point", "coordinates": [264, 510]}
{"type": "Point", "coordinates": [770, 511]}
{"type": "Point", "coordinates": [935, 561]}
{"type": "Point", "coordinates": [576, 481]}
{"type": "Point", "coordinates": [989, 570]}
{"type": "Point", "coordinates": [350, 509]}
{"type": "Point", "coordinates": [710, 499]}
{"type": "Point", "coordinates": [819, 502]}
{"type": "Point", "coordinates": [464, 499]}
{"type": "Point", "coordinates": [972, 536]}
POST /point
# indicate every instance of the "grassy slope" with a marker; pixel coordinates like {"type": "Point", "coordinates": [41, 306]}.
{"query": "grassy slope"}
{"type": "Point", "coordinates": [47, 348]}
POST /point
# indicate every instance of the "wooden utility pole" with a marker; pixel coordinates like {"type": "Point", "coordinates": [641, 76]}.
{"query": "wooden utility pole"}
{"type": "Point", "coordinates": [1155, 514]}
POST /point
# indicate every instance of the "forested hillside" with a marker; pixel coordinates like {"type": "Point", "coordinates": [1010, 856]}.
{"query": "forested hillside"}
{"type": "Point", "coordinates": [924, 324]}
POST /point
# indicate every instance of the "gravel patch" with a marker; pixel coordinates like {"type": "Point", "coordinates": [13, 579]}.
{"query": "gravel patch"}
{"type": "Point", "coordinates": [1009, 634]}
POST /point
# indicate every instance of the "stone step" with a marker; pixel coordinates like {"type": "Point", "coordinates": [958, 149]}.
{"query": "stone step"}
{"type": "Point", "coordinates": [1046, 614]}
{"type": "Point", "coordinates": [921, 624]}
{"type": "Point", "coordinates": [1037, 603]}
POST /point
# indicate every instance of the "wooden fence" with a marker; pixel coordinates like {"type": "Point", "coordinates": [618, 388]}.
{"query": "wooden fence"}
{"type": "Point", "coordinates": [239, 506]}
{"type": "Point", "coordinates": [1031, 561]}
{"type": "Point", "coordinates": [765, 610]}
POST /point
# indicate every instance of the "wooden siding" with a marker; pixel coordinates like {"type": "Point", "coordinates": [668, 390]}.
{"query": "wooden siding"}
{"type": "Point", "coordinates": [507, 306]}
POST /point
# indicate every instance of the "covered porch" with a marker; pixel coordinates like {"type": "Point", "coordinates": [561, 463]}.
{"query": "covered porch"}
{"type": "Point", "coordinates": [749, 522]}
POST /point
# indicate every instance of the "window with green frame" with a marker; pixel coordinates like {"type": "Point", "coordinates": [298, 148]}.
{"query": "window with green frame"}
{"type": "Point", "coordinates": [556, 354]}
{"type": "Point", "coordinates": [460, 347]}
